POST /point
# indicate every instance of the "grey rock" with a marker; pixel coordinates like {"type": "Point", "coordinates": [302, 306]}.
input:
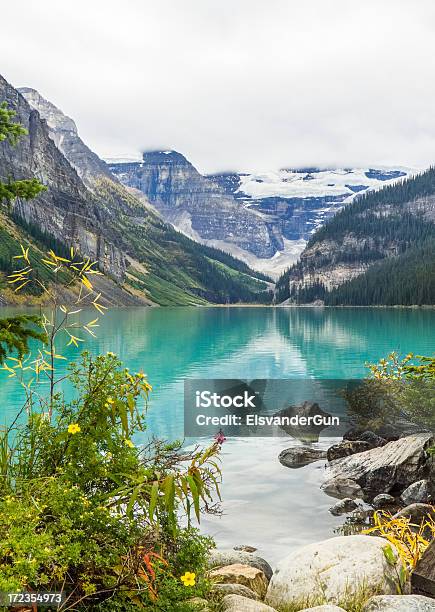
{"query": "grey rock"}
{"type": "Point", "coordinates": [344, 506]}
{"type": "Point", "coordinates": [236, 603]}
{"type": "Point", "coordinates": [399, 603]}
{"type": "Point", "coordinates": [342, 488]}
{"type": "Point", "coordinates": [417, 492]}
{"type": "Point", "coordinates": [383, 500]}
{"type": "Point", "coordinates": [299, 456]}
{"type": "Point", "coordinates": [392, 467]}
{"type": "Point", "coordinates": [234, 589]}
{"type": "Point", "coordinates": [416, 512]}
{"type": "Point", "coordinates": [333, 570]}
{"type": "Point", "coordinates": [347, 448]}
{"type": "Point", "coordinates": [221, 558]}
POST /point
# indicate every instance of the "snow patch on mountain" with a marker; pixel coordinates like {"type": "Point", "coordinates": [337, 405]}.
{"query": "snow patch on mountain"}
{"type": "Point", "coordinates": [338, 183]}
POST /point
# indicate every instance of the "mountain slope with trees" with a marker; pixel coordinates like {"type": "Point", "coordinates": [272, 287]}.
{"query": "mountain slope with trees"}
{"type": "Point", "coordinates": [378, 250]}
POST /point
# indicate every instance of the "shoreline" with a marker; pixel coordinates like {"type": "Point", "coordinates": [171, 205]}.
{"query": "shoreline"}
{"type": "Point", "coordinates": [271, 306]}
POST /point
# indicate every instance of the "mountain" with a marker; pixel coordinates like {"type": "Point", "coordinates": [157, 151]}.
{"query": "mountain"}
{"type": "Point", "coordinates": [196, 205]}
{"type": "Point", "coordinates": [143, 258]}
{"type": "Point", "coordinates": [384, 237]}
{"type": "Point", "coordinates": [264, 218]}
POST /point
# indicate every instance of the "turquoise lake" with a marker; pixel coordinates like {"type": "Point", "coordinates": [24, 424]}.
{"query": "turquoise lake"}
{"type": "Point", "coordinates": [264, 504]}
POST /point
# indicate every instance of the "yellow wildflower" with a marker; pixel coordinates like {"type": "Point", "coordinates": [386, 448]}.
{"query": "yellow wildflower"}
{"type": "Point", "coordinates": [188, 579]}
{"type": "Point", "coordinates": [74, 428]}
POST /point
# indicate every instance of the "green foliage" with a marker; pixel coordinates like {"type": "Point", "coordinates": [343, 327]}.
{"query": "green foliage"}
{"type": "Point", "coordinates": [9, 130]}
{"type": "Point", "coordinates": [26, 189]}
{"type": "Point", "coordinates": [397, 388]}
{"type": "Point", "coordinates": [82, 509]}
{"type": "Point", "coordinates": [408, 280]}
{"type": "Point", "coordinates": [15, 333]}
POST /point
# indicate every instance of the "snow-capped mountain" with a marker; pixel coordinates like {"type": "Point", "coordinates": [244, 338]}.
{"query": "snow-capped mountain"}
{"type": "Point", "coordinates": [302, 200]}
{"type": "Point", "coordinates": [265, 218]}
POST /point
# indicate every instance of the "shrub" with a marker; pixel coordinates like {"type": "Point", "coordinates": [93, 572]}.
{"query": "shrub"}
{"type": "Point", "coordinates": [85, 511]}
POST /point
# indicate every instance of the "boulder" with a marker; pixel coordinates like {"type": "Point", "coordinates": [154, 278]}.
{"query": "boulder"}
{"type": "Point", "coordinates": [416, 512]}
{"type": "Point", "coordinates": [307, 410]}
{"type": "Point", "coordinates": [299, 456]}
{"type": "Point", "coordinates": [334, 570]}
{"type": "Point", "coordinates": [237, 573]}
{"type": "Point", "coordinates": [399, 603]}
{"type": "Point", "coordinates": [347, 448]}
{"type": "Point", "coordinates": [220, 558]}
{"type": "Point", "coordinates": [234, 589]}
{"type": "Point", "coordinates": [342, 488]}
{"type": "Point", "coordinates": [388, 469]}
{"type": "Point", "coordinates": [383, 500]}
{"type": "Point", "coordinates": [325, 608]}
{"type": "Point", "coordinates": [236, 603]}
{"type": "Point", "coordinates": [416, 493]}
{"type": "Point", "coordinates": [344, 506]}
{"type": "Point", "coordinates": [423, 575]}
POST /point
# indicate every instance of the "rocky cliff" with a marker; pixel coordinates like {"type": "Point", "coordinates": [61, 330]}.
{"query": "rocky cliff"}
{"type": "Point", "coordinates": [66, 211]}
{"type": "Point", "coordinates": [196, 205]}
{"type": "Point", "coordinates": [63, 131]}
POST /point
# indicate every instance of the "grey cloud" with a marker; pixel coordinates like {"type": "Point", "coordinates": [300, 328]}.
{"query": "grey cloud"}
{"type": "Point", "coordinates": [236, 84]}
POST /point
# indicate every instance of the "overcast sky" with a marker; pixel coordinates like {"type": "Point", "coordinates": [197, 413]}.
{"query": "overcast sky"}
{"type": "Point", "coordinates": [235, 84]}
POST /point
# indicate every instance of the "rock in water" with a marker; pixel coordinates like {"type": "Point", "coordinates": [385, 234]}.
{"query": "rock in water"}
{"type": "Point", "coordinates": [417, 493]}
{"type": "Point", "coordinates": [383, 500]}
{"type": "Point", "coordinates": [250, 577]}
{"type": "Point", "coordinates": [399, 603]}
{"type": "Point", "coordinates": [387, 469]}
{"type": "Point", "coordinates": [334, 570]}
{"type": "Point", "coordinates": [299, 456]}
{"type": "Point", "coordinates": [220, 558]}
{"type": "Point", "coordinates": [235, 603]}
{"type": "Point", "coordinates": [343, 507]}
{"type": "Point", "coordinates": [307, 410]}
{"type": "Point", "coordinates": [342, 488]}
{"type": "Point", "coordinates": [347, 448]}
